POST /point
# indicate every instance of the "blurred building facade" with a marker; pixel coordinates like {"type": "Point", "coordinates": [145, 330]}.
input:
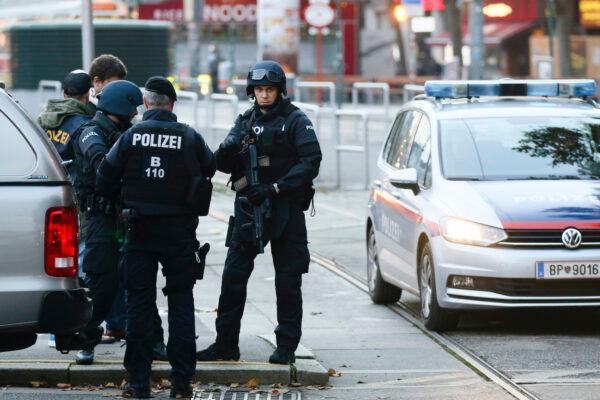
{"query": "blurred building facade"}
{"type": "Point", "coordinates": [380, 39]}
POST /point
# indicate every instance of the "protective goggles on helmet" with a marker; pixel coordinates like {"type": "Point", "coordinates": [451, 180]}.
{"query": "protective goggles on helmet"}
{"type": "Point", "coordinates": [259, 74]}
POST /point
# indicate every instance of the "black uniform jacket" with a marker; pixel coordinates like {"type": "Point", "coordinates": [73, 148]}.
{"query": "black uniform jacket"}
{"type": "Point", "coordinates": [294, 157]}
{"type": "Point", "coordinates": [109, 177]}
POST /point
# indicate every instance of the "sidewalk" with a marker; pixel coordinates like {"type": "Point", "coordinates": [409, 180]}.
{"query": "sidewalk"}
{"type": "Point", "coordinates": [371, 352]}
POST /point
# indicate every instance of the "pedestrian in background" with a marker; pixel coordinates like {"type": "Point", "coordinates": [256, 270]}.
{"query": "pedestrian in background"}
{"type": "Point", "coordinates": [116, 107]}
{"type": "Point", "coordinates": [103, 70]}
{"type": "Point", "coordinates": [165, 169]}
{"type": "Point", "coordinates": [289, 157]}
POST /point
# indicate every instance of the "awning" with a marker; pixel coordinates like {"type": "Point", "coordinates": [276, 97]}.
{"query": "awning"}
{"type": "Point", "coordinates": [494, 34]}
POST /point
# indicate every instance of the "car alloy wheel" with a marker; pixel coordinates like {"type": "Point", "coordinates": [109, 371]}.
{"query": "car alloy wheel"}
{"type": "Point", "coordinates": [380, 291]}
{"type": "Point", "coordinates": [426, 286]}
{"type": "Point", "coordinates": [372, 266]}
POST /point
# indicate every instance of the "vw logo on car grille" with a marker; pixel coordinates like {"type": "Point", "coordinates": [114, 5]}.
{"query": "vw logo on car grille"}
{"type": "Point", "coordinates": [571, 238]}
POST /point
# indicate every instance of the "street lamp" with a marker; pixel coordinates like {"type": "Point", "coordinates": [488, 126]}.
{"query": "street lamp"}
{"type": "Point", "coordinates": [400, 13]}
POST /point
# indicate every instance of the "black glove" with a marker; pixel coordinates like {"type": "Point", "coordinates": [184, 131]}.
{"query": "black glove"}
{"type": "Point", "coordinates": [231, 145]}
{"type": "Point", "coordinates": [258, 193]}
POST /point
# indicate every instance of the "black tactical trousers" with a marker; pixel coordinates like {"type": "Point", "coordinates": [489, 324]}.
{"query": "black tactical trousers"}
{"type": "Point", "coordinates": [173, 248]}
{"type": "Point", "coordinates": [291, 259]}
{"type": "Point", "coordinates": [100, 263]}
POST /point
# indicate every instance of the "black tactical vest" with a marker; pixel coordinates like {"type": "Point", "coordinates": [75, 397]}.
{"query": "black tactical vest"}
{"type": "Point", "coordinates": [86, 177]}
{"type": "Point", "coordinates": [156, 179]}
{"type": "Point", "coordinates": [275, 150]}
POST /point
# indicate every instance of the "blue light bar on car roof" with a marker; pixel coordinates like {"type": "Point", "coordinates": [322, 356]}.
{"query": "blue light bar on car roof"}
{"type": "Point", "coordinates": [511, 88]}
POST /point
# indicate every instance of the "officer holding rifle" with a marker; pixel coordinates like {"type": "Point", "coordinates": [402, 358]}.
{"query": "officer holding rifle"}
{"type": "Point", "coordinates": [273, 155]}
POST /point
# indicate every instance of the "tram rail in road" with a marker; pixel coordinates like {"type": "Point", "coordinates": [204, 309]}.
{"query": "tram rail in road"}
{"type": "Point", "coordinates": [466, 356]}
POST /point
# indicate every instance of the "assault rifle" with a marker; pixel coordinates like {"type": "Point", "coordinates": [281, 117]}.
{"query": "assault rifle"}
{"type": "Point", "coordinates": [262, 211]}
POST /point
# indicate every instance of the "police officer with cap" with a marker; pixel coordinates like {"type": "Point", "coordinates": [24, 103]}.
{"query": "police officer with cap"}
{"type": "Point", "coordinates": [288, 157]}
{"type": "Point", "coordinates": [116, 107]}
{"type": "Point", "coordinates": [165, 169]}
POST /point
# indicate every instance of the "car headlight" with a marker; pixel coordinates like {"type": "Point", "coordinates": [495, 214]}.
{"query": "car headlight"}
{"type": "Point", "coordinates": [466, 232]}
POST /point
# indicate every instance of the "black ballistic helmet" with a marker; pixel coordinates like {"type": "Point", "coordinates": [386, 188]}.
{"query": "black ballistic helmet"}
{"type": "Point", "coordinates": [266, 73]}
{"type": "Point", "coordinates": [120, 98]}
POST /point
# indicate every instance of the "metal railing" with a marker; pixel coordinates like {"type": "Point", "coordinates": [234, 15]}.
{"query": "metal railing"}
{"type": "Point", "coordinates": [43, 85]}
{"type": "Point", "coordinates": [370, 87]}
{"type": "Point", "coordinates": [363, 117]}
{"type": "Point", "coordinates": [330, 86]}
{"type": "Point", "coordinates": [213, 124]}
{"type": "Point", "coordinates": [411, 89]}
{"type": "Point", "coordinates": [192, 97]}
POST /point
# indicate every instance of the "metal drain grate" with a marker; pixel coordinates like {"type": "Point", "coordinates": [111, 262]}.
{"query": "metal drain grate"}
{"type": "Point", "coordinates": [246, 395]}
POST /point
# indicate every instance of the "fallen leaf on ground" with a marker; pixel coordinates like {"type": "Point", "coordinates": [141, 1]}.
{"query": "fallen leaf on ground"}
{"type": "Point", "coordinates": [38, 384]}
{"type": "Point", "coordinates": [345, 366]}
{"type": "Point", "coordinates": [234, 385]}
{"type": "Point", "coordinates": [110, 385]}
{"type": "Point", "coordinates": [295, 384]}
{"type": "Point", "coordinates": [253, 383]}
{"type": "Point", "coordinates": [63, 385]}
{"type": "Point", "coordinates": [332, 372]}
{"type": "Point", "coordinates": [279, 391]}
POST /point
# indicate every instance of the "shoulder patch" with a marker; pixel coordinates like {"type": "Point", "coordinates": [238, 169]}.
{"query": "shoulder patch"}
{"type": "Point", "coordinates": [89, 135]}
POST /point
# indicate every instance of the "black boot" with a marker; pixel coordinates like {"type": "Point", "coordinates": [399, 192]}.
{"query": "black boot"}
{"type": "Point", "coordinates": [216, 352]}
{"type": "Point", "coordinates": [132, 393]}
{"type": "Point", "coordinates": [159, 352]}
{"type": "Point", "coordinates": [85, 357]}
{"type": "Point", "coordinates": [282, 355]}
{"type": "Point", "coordinates": [181, 393]}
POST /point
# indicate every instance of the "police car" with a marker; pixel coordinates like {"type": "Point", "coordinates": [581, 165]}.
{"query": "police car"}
{"type": "Point", "coordinates": [488, 196]}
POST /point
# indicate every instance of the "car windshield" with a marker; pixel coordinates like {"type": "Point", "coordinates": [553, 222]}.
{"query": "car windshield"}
{"type": "Point", "coordinates": [520, 148]}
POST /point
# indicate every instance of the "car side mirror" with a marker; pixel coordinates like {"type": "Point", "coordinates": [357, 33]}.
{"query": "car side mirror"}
{"type": "Point", "coordinates": [405, 179]}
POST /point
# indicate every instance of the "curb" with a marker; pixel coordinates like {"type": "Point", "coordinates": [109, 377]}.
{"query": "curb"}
{"type": "Point", "coordinates": [308, 372]}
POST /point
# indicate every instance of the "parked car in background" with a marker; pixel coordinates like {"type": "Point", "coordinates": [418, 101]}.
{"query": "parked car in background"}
{"type": "Point", "coordinates": [39, 290]}
{"type": "Point", "coordinates": [488, 196]}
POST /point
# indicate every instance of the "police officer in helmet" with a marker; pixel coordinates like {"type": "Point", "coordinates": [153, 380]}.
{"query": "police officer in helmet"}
{"type": "Point", "coordinates": [288, 157]}
{"type": "Point", "coordinates": [165, 169]}
{"type": "Point", "coordinates": [116, 107]}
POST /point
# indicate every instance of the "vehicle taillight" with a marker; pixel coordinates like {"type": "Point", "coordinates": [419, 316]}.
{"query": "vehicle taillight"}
{"type": "Point", "coordinates": [61, 242]}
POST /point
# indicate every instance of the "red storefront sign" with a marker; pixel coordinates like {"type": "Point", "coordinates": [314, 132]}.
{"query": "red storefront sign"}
{"type": "Point", "coordinates": [171, 10]}
{"type": "Point", "coordinates": [433, 5]}
{"type": "Point", "coordinates": [510, 10]}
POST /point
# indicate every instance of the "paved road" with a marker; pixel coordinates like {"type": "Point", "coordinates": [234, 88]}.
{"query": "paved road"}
{"type": "Point", "coordinates": [553, 353]}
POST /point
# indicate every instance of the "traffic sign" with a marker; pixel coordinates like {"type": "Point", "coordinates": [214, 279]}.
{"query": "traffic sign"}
{"type": "Point", "coordinates": [319, 15]}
